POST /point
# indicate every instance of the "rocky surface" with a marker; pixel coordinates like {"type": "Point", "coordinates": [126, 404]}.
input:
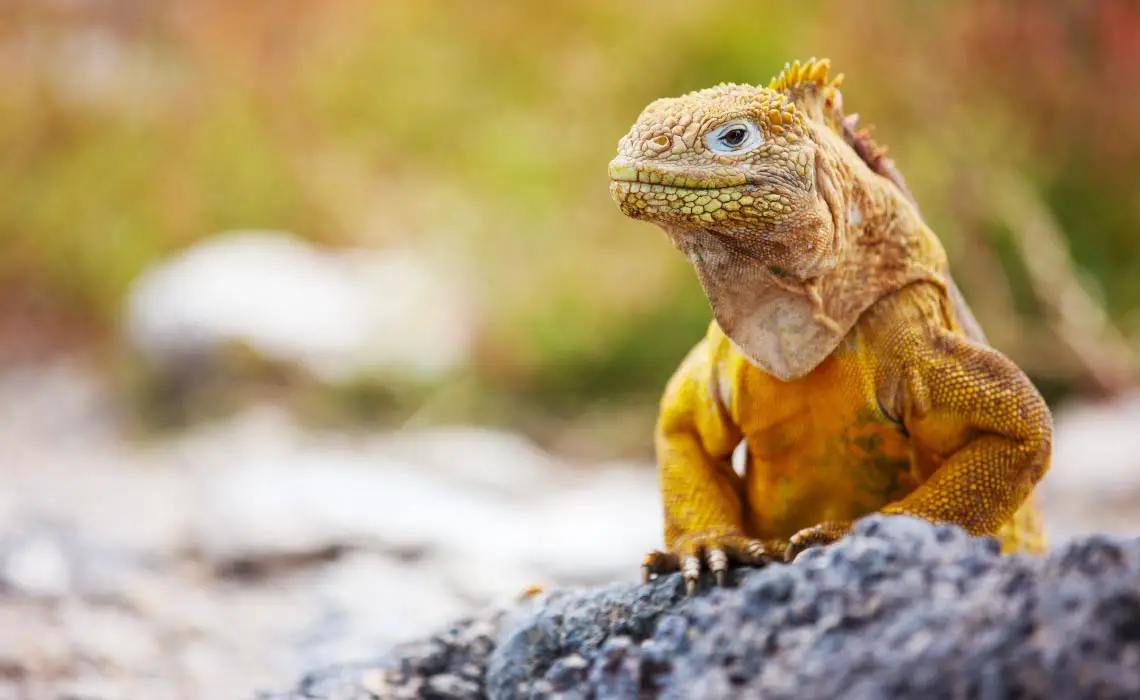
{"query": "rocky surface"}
{"type": "Point", "coordinates": [243, 553]}
{"type": "Point", "coordinates": [901, 609]}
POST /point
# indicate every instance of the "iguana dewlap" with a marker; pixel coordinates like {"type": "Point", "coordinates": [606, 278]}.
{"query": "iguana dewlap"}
{"type": "Point", "coordinates": [840, 352]}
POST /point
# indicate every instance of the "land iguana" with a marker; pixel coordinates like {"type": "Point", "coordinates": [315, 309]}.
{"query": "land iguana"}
{"type": "Point", "coordinates": [840, 356]}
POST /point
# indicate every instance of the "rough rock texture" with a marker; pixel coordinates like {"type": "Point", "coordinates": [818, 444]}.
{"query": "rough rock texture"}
{"type": "Point", "coordinates": [900, 609]}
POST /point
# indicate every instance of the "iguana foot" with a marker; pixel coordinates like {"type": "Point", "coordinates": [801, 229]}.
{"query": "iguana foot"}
{"type": "Point", "coordinates": [714, 552]}
{"type": "Point", "coordinates": [817, 536]}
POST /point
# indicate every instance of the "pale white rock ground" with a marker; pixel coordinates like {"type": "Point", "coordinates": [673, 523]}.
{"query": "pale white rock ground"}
{"type": "Point", "coordinates": [233, 557]}
{"type": "Point", "coordinates": [239, 555]}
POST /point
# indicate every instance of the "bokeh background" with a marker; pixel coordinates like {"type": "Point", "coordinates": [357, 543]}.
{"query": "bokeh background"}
{"type": "Point", "coordinates": [300, 298]}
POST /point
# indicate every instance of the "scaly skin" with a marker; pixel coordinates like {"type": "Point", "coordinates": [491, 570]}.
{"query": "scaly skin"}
{"type": "Point", "coordinates": [840, 355]}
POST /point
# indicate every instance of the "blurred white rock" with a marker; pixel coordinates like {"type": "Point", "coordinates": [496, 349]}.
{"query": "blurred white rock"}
{"type": "Point", "coordinates": [341, 314]}
{"type": "Point", "coordinates": [1096, 449]}
{"type": "Point", "coordinates": [1094, 482]}
{"type": "Point", "coordinates": [36, 567]}
{"type": "Point", "coordinates": [498, 461]}
{"type": "Point", "coordinates": [363, 602]}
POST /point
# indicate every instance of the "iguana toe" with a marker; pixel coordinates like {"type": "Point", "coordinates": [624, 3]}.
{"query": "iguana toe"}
{"type": "Point", "coordinates": [816, 536]}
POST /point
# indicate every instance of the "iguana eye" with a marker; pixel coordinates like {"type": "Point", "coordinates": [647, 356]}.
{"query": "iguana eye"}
{"type": "Point", "coordinates": [734, 137]}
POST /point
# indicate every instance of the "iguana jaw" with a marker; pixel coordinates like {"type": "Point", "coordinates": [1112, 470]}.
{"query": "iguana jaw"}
{"type": "Point", "coordinates": [684, 206]}
{"type": "Point", "coordinates": [693, 197]}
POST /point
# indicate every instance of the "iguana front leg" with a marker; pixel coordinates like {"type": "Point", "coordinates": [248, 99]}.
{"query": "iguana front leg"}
{"type": "Point", "coordinates": [972, 409]}
{"type": "Point", "coordinates": [702, 494]}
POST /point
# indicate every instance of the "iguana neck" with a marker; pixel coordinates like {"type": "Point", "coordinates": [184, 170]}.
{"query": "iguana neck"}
{"type": "Point", "coordinates": [886, 244]}
{"type": "Point", "coordinates": [880, 245]}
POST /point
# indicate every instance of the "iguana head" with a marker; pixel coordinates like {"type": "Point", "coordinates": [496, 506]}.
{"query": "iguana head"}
{"type": "Point", "coordinates": [734, 159]}
{"type": "Point", "coordinates": [758, 188]}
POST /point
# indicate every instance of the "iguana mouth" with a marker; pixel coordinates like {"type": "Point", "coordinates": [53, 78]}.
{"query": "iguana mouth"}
{"type": "Point", "coordinates": [671, 179]}
{"type": "Point", "coordinates": [636, 187]}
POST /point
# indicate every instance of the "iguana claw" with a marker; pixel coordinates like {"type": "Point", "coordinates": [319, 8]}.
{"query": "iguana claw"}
{"type": "Point", "coordinates": [713, 552]}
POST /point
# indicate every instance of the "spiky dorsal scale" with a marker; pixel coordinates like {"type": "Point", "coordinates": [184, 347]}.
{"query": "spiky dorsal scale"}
{"type": "Point", "coordinates": [812, 89]}
{"type": "Point", "coordinates": [814, 74]}
{"type": "Point", "coordinates": [810, 86]}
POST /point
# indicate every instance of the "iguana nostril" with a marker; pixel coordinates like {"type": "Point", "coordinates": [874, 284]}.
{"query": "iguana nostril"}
{"type": "Point", "coordinates": [662, 142]}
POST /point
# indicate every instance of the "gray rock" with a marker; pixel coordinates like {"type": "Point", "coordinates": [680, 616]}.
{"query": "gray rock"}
{"type": "Point", "coordinates": [900, 609]}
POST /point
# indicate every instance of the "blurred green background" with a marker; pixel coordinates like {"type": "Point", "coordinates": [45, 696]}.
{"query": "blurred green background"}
{"type": "Point", "coordinates": [481, 131]}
